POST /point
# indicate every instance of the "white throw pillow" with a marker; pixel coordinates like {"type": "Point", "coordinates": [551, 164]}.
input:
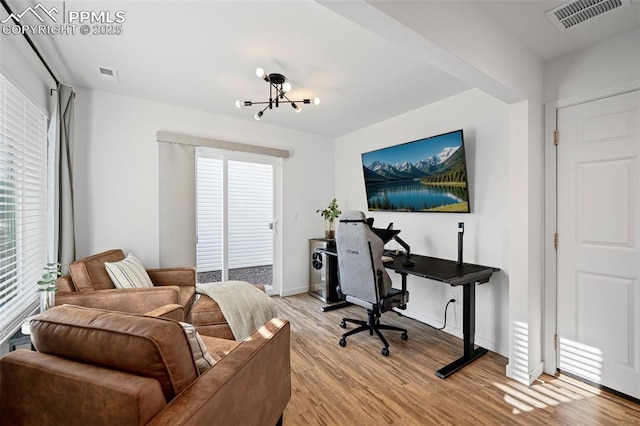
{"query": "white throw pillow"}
{"type": "Point", "coordinates": [128, 273]}
{"type": "Point", "coordinates": [201, 356]}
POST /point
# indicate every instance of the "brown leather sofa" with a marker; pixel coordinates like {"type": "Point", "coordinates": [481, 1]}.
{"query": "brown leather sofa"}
{"type": "Point", "coordinates": [88, 284]}
{"type": "Point", "coordinates": [105, 368]}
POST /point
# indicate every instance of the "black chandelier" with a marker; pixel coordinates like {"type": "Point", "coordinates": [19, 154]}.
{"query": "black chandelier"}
{"type": "Point", "coordinates": [278, 88]}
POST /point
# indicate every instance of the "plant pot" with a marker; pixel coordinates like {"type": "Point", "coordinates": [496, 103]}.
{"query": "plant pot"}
{"type": "Point", "coordinates": [47, 299]}
{"type": "Point", "coordinates": [329, 229]}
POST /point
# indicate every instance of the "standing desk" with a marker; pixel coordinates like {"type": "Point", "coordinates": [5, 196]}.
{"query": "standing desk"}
{"type": "Point", "coordinates": [448, 271]}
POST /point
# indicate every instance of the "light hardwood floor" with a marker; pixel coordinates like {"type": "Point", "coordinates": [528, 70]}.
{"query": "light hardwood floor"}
{"type": "Point", "coordinates": [356, 385]}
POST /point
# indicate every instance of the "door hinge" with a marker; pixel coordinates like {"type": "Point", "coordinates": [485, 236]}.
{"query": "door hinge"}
{"type": "Point", "coordinates": [555, 341]}
{"type": "Point", "coordinates": [555, 240]}
{"type": "Point", "coordinates": [556, 137]}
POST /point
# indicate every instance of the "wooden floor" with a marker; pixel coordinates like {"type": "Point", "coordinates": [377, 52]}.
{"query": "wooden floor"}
{"type": "Point", "coordinates": [356, 385]}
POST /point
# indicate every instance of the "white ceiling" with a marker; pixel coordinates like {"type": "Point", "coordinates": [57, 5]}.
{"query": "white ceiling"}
{"type": "Point", "coordinates": [203, 55]}
{"type": "Point", "coordinates": [526, 21]}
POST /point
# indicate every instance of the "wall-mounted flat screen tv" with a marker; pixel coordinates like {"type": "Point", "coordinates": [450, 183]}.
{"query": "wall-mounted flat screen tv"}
{"type": "Point", "coordinates": [426, 175]}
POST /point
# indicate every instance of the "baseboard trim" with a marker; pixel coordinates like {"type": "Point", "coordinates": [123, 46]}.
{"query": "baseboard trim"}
{"type": "Point", "coordinates": [294, 291]}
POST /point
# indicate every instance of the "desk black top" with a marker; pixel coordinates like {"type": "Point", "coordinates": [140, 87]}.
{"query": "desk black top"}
{"type": "Point", "coordinates": [434, 268]}
{"type": "Point", "coordinates": [443, 270]}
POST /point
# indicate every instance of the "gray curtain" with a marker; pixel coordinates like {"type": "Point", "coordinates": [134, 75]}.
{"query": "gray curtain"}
{"type": "Point", "coordinates": [64, 223]}
{"type": "Point", "coordinates": [177, 181]}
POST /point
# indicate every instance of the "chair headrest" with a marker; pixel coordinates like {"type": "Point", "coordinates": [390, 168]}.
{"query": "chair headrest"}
{"type": "Point", "coordinates": [352, 215]}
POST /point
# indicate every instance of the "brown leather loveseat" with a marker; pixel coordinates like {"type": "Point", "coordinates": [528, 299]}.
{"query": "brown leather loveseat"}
{"type": "Point", "coordinates": [95, 367]}
{"type": "Point", "coordinates": [88, 284]}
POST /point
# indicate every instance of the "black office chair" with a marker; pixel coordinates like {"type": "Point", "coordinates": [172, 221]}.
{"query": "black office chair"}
{"type": "Point", "coordinates": [363, 279]}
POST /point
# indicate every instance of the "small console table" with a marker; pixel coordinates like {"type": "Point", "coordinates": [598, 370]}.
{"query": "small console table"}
{"type": "Point", "coordinates": [466, 275]}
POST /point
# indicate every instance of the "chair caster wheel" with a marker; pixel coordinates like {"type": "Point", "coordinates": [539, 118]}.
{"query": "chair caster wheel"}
{"type": "Point", "coordinates": [404, 336]}
{"type": "Point", "coordinates": [385, 351]}
{"type": "Point", "coordinates": [343, 324]}
{"type": "Point", "coordinates": [343, 342]}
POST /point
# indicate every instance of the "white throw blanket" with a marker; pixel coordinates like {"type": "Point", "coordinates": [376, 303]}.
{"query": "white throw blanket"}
{"type": "Point", "coordinates": [245, 307]}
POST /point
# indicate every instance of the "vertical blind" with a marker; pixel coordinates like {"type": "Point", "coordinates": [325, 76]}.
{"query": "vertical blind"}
{"type": "Point", "coordinates": [209, 212]}
{"type": "Point", "coordinates": [249, 210]}
{"type": "Point", "coordinates": [23, 205]}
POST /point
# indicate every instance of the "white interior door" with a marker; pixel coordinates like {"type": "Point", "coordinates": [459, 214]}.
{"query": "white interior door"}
{"type": "Point", "coordinates": [598, 299]}
{"type": "Point", "coordinates": [236, 218]}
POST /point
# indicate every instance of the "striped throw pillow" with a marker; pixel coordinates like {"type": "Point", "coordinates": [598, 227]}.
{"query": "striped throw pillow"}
{"type": "Point", "coordinates": [201, 356]}
{"type": "Point", "coordinates": [128, 273]}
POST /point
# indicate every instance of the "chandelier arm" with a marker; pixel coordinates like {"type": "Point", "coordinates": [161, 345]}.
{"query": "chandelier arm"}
{"type": "Point", "coordinates": [302, 101]}
{"type": "Point", "coordinates": [279, 92]}
{"type": "Point", "coordinates": [270, 95]}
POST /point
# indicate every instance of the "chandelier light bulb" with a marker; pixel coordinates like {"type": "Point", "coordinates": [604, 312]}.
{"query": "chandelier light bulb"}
{"type": "Point", "coordinates": [316, 101]}
{"type": "Point", "coordinates": [260, 73]}
{"type": "Point", "coordinates": [238, 104]}
{"type": "Point", "coordinates": [286, 87]}
{"type": "Point", "coordinates": [258, 116]}
{"type": "Point", "coordinates": [296, 107]}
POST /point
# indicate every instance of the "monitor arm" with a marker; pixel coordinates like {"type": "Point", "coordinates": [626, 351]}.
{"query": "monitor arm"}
{"type": "Point", "coordinates": [407, 255]}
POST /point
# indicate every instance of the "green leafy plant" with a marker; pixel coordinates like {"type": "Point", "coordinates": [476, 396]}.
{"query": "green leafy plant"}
{"type": "Point", "coordinates": [331, 212]}
{"type": "Point", "coordinates": [48, 281]}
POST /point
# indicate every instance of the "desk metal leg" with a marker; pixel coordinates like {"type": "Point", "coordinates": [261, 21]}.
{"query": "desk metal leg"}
{"type": "Point", "coordinates": [471, 353]}
{"type": "Point", "coordinates": [334, 306]}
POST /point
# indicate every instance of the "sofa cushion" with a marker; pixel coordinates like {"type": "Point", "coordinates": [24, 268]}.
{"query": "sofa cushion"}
{"type": "Point", "coordinates": [201, 356]}
{"type": "Point", "coordinates": [209, 320]}
{"type": "Point", "coordinates": [145, 346]}
{"type": "Point", "coordinates": [90, 274]}
{"type": "Point", "coordinates": [128, 273]}
{"type": "Point", "coordinates": [217, 347]}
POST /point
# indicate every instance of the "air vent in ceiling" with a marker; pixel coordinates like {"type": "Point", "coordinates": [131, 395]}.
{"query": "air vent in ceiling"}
{"type": "Point", "coordinates": [109, 74]}
{"type": "Point", "coordinates": [573, 13]}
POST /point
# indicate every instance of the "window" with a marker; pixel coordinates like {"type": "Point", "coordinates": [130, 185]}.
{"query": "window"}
{"type": "Point", "coordinates": [23, 205]}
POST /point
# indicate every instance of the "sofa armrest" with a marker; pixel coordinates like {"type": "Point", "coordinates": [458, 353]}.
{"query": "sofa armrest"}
{"type": "Point", "coordinates": [173, 276]}
{"type": "Point", "coordinates": [174, 312]}
{"type": "Point", "coordinates": [132, 300]}
{"type": "Point", "coordinates": [64, 283]}
{"type": "Point", "coordinates": [261, 364]}
{"type": "Point", "coordinates": [31, 384]}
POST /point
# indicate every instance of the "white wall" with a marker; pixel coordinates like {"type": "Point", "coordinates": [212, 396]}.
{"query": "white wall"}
{"type": "Point", "coordinates": [478, 50]}
{"type": "Point", "coordinates": [20, 65]}
{"type": "Point", "coordinates": [605, 64]}
{"type": "Point", "coordinates": [485, 123]}
{"type": "Point", "coordinates": [116, 176]}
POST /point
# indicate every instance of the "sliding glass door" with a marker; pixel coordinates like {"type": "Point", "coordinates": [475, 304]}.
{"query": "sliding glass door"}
{"type": "Point", "coordinates": [237, 232]}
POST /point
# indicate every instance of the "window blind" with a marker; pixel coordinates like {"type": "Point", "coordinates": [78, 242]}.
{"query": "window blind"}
{"type": "Point", "coordinates": [23, 206]}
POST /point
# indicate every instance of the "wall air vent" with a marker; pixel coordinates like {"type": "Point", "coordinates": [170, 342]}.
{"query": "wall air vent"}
{"type": "Point", "coordinates": [109, 74]}
{"type": "Point", "coordinates": [573, 13]}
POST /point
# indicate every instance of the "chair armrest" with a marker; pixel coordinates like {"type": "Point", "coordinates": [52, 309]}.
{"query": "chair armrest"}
{"type": "Point", "coordinates": [132, 300]}
{"type": "Point", "coordinates": [260, 363]}
{"type": "Point", "coordinates": [31, 384]}
{"type": "Point", "coordinates": [174, 312]}
{"type": "Point", "coordinates": [173, 276]}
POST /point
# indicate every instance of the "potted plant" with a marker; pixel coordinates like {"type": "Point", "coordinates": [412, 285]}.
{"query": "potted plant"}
{"type": "Point", "coordinates": [330, 213]}
{"type": "Point", "coordinates": [47, 285]}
